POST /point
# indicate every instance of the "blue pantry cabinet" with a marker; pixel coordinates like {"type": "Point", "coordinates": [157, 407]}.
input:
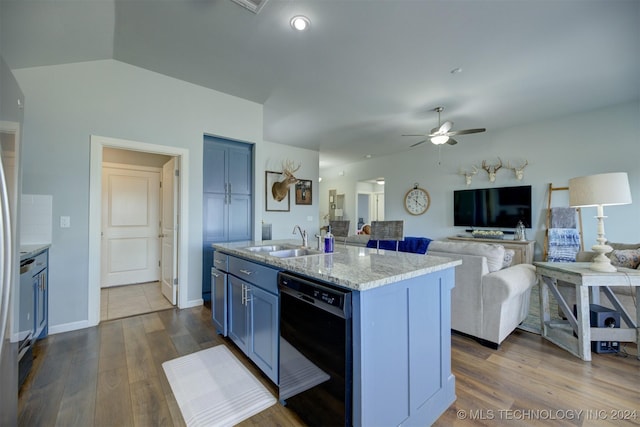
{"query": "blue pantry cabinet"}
{"type": "Point", "coordinates": [227, 198]}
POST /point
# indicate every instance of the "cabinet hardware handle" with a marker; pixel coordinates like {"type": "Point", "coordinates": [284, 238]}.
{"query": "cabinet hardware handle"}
{"type": "Point", "coordinates": [244, 295]}
{"type": "Point", "coordinates": [215, 275]}
{"type": "Point", "coordinates": [247, 272]}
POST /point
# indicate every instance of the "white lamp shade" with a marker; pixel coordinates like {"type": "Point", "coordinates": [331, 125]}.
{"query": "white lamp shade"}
{"type": "Point", "coordinates": [604, 189]}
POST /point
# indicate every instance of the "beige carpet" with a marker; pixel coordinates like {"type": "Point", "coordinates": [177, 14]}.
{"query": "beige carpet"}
{"type": "Point", "coordinates": [213, 388]}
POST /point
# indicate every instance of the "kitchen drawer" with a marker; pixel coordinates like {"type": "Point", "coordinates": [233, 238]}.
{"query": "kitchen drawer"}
{"type": "Point", "coordinates": [260, 275]}
{"type": "Point", "coordinates": [220, 261]}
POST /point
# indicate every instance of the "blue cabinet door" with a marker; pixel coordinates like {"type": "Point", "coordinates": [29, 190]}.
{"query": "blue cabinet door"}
{"type": "Point", "coordinates": [219, 300]}
{"type": "Point", "coordinates": [239, 170]}
{"type": "Point", "coordinates": [264, 332]}
{"type": "Point", "coordinates": [215, 213]}
{"type": "Point", "coordinates": [215, 158]}
{"type": "Point", "coordinates": [238, 315]}
{"type": "Point", "coordinates": [239, 217]}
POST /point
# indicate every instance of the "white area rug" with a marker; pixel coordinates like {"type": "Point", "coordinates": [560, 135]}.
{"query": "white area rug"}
{"type": "Point", "coordinates": [213, 388]}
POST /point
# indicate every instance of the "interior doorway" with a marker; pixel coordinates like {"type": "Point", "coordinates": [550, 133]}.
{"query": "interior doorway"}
{"type": "Point", "coordinates": [179, 241]}
{"type": "Point", "coordinates": [134, 231]}
{"type": "Point", "coordinates": [370, 201]}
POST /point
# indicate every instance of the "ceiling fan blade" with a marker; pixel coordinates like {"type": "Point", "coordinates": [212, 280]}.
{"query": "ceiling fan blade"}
{"type": "Point", "coordinates": [418, 143]}
{"type": "Point", "coordinates": [466, 131]}
{"type": "Point", "coordinates": [446, 127]}
{"type": "Point", "coordinates": [452, 141]}
{"type": "Point", "coordinates": [422, 134]}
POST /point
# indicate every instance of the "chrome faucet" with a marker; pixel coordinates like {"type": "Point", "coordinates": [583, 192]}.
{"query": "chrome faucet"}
{"type": "Point", "coordinates": [303, 233]}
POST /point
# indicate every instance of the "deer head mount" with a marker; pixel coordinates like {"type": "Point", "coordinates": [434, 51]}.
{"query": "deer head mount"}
{"type": "Point", "coordinates": [492, 169]}
{"type": "Point", "coordinates": [519, 171]}
{"type": "Point", "coordinates": [280, 189]}
{"type": "Point", "coordinates": [468, 175]}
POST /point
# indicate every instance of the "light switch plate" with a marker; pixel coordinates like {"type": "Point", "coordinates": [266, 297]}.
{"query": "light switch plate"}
{"type": "Point", "coordinates": [65, 221]}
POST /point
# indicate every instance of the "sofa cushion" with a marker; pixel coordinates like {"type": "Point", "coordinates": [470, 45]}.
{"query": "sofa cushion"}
{"type": "Point", "coordinates": [624, 245]}
{"type": "Point", "coordinates": [508, 258]}
{"type": "Point", "coordinates": [627, 258]}
{"type": "Point", "coordinates": [494, 253]}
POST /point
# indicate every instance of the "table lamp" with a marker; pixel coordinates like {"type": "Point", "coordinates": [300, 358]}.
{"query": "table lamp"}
{"type": "Point", "coordinates": [600, 190]}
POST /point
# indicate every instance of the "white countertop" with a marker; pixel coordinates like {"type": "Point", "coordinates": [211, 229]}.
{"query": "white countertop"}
{"type": "Point", "coordinates": [353, 267]}
{"type": "Point", "coordinates": [27, 251]}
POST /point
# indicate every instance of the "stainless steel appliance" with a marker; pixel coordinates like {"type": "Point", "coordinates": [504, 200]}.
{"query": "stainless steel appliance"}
{"type": "Point", "coordinates": [11, 117]}
{"type": "Point", "coordinates": [8, 350]}
{"type": "Point", "coordinates": [316, 363]}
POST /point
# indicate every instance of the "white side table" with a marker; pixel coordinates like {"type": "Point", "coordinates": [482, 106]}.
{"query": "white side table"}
{"type": "Point", "coordinates": [578, 274]}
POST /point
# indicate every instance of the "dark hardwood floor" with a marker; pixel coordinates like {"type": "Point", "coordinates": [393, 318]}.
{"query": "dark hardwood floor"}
{"type": "Point", "coordinates": [111, 375]}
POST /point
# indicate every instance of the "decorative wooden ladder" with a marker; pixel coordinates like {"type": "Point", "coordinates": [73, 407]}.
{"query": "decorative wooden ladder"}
{"type": "Point", "coordinates": [545, 249]}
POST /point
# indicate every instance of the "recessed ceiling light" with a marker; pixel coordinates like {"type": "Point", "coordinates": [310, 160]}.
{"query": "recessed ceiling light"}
{"type": "Point", "coordinates": [367, 156]}
{"type": "Point", "coordinates": [300, 23]}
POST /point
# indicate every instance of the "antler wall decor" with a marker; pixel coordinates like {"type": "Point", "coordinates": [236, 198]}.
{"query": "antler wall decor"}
{"type": "Point", "coordinates": [280, 189]}
{"type": "Point", "coordinates": [492, 169]}
{"type": "Point", "coordinates": [468, 175]}
{"type": "Point", "coordinates": [519, 171]}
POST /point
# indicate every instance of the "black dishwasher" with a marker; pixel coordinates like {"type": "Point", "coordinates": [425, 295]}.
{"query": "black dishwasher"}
{"type": "Point", "coordinates": [316, 363]}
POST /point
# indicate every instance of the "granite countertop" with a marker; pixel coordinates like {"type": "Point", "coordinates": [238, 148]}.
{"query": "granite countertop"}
{"type": "Point", "coordinates": [28, 251]}
{"type": "Point", "coordinates": [352, 267]}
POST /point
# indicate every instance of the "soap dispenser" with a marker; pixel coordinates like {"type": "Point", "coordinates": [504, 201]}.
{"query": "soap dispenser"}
{"type": "Point", "coordinates": [328, 241]}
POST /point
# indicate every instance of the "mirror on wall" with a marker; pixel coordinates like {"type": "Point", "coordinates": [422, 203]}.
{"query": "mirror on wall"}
{"type": "Point", "coordinates": [370, 200]}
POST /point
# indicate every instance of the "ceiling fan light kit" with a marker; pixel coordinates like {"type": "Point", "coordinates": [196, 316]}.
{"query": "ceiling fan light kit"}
{"type": "Point", "coordinates": [439, 139]}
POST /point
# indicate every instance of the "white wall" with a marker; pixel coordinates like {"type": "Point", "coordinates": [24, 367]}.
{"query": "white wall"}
{"type": "Point", "coordinates": [606, 140]}
{"type": "Point", "coordinates": [269, 156]}
{"type": "Point", "coordinates": [67, 104]}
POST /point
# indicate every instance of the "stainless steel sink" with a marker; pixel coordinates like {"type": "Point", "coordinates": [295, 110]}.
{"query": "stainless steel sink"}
{"type": "Point", "coordinates": [269, 248]}
{"type": "Point", "coordinates": [292, 253]}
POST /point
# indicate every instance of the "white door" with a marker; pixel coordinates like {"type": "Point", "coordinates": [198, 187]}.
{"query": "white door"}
{"type": "Point", "coordinates": [130, 225]}
{"type": "Point", "coordinates": [169, 232]}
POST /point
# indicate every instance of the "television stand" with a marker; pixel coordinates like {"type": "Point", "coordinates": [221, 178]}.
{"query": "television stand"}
{"type": "Point", "coordinates": [523, 248]}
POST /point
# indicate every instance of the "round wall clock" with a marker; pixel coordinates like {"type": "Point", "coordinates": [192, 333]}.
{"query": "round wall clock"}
{"type": "Point", "coordinates": [417, 201]}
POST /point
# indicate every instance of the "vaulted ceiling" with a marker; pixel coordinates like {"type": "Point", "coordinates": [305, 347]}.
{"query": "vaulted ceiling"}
{"type": "Point", "coordinates": [366, 71]}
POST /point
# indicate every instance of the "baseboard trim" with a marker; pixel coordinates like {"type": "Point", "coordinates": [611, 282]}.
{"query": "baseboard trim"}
{"type": "Point", "coordinates": [193, 303]}
{"type": "Point", "coordinates": [68, 327]}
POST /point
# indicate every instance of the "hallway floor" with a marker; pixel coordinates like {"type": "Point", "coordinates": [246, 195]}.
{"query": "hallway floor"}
{"type": "Point", "coordinates": [123, 301]}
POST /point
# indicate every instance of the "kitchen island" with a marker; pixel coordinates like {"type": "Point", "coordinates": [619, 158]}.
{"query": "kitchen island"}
{"type": "Point", "coordinates": [401, 336]}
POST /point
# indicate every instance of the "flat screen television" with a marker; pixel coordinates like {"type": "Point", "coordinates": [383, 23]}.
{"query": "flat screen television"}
{"type": "Point", "coordinates": [499, 207]}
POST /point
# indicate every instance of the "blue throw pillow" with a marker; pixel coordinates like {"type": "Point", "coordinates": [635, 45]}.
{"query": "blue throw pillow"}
{"type": "Point", "coordinates": [416, 245]}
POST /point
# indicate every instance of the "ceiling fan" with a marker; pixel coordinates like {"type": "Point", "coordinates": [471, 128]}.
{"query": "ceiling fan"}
{"type": "Point", "coordinates": [443, 133]}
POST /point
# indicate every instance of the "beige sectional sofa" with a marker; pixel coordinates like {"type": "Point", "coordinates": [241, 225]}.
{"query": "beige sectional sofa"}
{"type": "Point", "coordinates": [489, 299]}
